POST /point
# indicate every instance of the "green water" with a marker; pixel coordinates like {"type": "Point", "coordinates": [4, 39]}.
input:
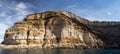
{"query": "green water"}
{"type": "Point", "coordinates": [59, 51]}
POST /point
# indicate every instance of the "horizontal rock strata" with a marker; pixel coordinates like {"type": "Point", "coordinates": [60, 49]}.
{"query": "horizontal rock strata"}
{"type": "Point", "coordinates": [59, 29]}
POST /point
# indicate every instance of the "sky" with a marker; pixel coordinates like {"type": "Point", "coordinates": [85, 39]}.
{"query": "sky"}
{"type": "Point", "coordinates": [12, 11]}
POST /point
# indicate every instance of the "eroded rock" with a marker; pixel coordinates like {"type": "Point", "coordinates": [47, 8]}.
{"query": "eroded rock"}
{"type": "Point", "coordinates": [53, 29]}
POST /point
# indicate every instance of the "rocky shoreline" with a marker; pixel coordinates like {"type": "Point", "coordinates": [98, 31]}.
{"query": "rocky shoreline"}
{"type": "Point", "coordinates": [17, 46]}
{"type": "Point", "coordinates": [81, 47]}
{"type": "Point", "coordinates": [39, 47]}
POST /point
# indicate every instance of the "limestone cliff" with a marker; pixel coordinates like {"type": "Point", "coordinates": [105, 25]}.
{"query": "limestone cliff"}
{"type": "Point", "coordinates": [110, 32]}
{"type": "Point", "coordinates": [53, 29]}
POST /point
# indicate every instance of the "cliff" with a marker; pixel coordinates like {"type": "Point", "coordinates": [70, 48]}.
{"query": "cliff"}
{"type": "Point", "coordinates": [61, 29]}
{"type": "Point", "coordinates": [110, 32]}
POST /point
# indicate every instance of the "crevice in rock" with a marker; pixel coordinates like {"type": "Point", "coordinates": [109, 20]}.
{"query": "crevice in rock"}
{"type": "Point", "coordinates": [28, 33]}
{"type": "Point", "coordinates": [45, 25]}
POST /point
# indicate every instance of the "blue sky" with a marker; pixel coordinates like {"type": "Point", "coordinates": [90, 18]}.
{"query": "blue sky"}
{"type": "Point", "coordinates": [12, 11]}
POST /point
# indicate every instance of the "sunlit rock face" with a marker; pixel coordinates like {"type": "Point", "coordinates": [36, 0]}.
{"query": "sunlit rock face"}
{"type": "Point", "coordinates": [53, 29]}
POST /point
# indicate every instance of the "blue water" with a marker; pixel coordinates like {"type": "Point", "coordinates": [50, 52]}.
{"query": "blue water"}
{"type": "Point", "coordinates": [59, 51]}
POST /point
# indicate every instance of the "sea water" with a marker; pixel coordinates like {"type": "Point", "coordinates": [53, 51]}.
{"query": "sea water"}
{"type": "Point", "coordinates": [59, 51]}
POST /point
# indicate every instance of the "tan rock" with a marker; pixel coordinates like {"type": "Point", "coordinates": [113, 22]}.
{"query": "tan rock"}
{"type": "Point", "coordinates": [52, 29]}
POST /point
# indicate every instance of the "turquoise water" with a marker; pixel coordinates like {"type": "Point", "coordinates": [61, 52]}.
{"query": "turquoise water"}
{"type": "Point", "coordinates": [59, 51]}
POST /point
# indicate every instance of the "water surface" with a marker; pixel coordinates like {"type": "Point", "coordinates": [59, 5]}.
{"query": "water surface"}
{"type": "Point", "coordinates": [59, 51]}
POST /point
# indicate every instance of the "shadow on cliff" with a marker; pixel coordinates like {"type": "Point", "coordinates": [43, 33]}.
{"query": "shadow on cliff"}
{"type": "Point", "coordinates": [56, 27]}
{"type": "Point", "coordinates": [87, 28]}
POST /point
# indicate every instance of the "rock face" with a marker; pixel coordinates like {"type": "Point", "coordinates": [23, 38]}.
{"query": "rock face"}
{"type": "Point", "coordinates": [60, 29]}
{"type": "Point", "coordinates": [110, 32]}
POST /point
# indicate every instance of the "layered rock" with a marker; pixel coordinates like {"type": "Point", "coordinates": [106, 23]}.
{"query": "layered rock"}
{"type": "Point", "coordinates": [110, 32]}
{"type": "Point", "coordinates": [53, 29]}
{"type": "Point", "coordinates": [62, 29]}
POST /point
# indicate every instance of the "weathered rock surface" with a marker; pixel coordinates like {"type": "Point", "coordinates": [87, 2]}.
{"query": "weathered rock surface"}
{"type": "Point", "coordinates": [60, 29]}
